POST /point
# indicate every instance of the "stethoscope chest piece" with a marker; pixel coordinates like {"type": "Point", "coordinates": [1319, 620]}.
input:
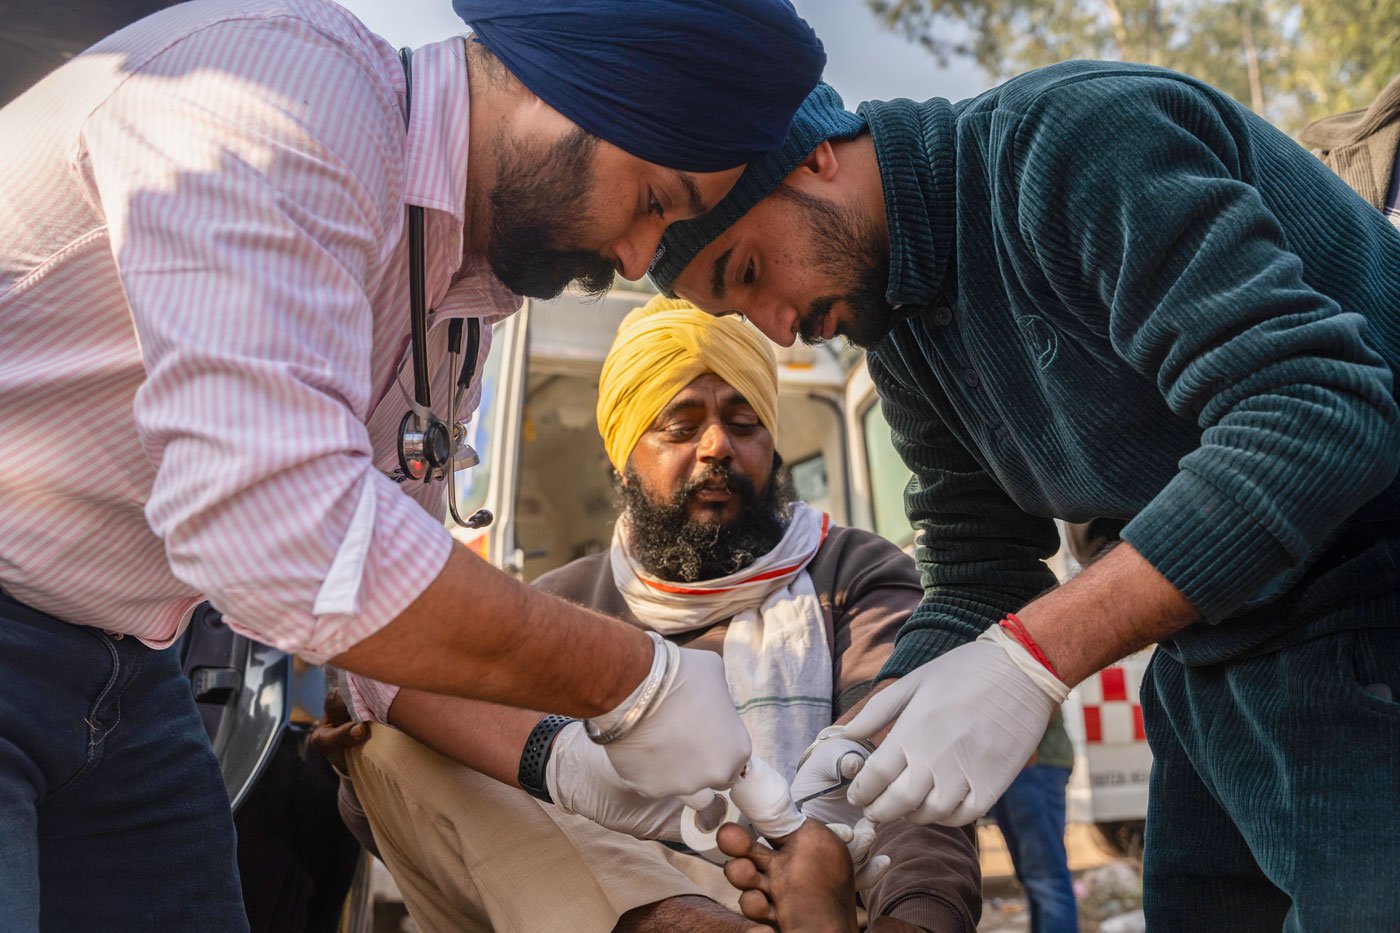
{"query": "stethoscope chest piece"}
{"type": "Point", "coordinates": [425, 450]}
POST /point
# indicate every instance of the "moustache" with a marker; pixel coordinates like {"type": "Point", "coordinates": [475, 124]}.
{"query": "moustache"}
{"type": "Point", "coordinates": [714, 475]}
{"type": "Point", "coordinates": [810, 324]}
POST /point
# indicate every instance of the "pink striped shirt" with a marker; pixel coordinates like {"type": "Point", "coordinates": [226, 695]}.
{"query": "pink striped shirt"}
{"type": "Point", "coordinates": [204, 298]}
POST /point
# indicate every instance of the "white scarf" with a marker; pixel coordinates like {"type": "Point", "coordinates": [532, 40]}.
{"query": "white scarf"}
{"type": "Point", "coordinates": [776, 656]}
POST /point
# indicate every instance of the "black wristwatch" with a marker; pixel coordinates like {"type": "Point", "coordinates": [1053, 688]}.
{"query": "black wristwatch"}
{"type": "Point", "coordinates": [536, 755]}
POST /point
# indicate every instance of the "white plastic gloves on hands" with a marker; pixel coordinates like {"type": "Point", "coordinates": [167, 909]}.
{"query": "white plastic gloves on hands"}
{"type": "Point", "coordinates": [968, 721]}
{"type": "Point", "coordinates": [859, 840]}
{"type": "Point", "coordinates": [582, 780]}
{"type": "Point", "coordinates": [691, 738]}
{"type": "Point", "coordinates": [829, 759]}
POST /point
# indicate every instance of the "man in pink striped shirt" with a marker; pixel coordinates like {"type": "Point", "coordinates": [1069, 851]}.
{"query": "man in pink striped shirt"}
{"type": "Point", "coordinates": [204, 284]}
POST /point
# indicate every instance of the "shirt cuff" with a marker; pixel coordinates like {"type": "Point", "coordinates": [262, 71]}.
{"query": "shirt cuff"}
{"type": "Point", "coordinates": [369, 699]}
{"type": "Point", "coordinates": [406, 551]}
{"type": "Point", "coordinates": [1208, 546]}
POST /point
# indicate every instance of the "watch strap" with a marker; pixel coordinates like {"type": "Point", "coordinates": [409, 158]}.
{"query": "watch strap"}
{"type": "Point", "coordinates": [535, 756]}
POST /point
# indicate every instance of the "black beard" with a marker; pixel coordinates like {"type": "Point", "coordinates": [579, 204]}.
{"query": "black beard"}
{"type": "Point", "coordinates": [539, 201]}
{"type": "Point", "coordinates": [856, 259]}
{"type": "Point", "coordinates": [674, 547]}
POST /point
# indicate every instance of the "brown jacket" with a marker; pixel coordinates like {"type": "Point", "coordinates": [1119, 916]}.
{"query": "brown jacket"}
{"type": "Point", "coordinates": [867, 588]}
{"type": "Point", "coordinates": [1361, 145]}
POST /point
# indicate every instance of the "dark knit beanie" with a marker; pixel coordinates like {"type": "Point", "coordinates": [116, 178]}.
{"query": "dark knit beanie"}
{"type": "Point", "coordinates": [821, 117]}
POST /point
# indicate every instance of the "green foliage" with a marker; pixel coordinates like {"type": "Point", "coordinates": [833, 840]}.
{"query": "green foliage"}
{"type": "Point", "coordinates": [1291, 61]}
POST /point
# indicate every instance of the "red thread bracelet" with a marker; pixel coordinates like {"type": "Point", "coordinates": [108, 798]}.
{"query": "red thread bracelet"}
{"type": "Point", "coordinates": [1017, 628]}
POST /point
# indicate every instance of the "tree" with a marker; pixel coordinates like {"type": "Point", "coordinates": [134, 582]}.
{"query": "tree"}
{"type": "Point", "coordinates": [1290, 60]}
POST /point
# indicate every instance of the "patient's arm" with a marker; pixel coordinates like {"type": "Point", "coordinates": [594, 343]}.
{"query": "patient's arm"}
{"type": "Point", "coordinates": [483, 736]}
{"type": "Point", "coordinates": [490, 738]}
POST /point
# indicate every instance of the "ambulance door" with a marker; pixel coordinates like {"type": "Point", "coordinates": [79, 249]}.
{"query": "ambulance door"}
{"type": "Point", "coordinates": [877, 474]}
{"type": "Point", "coordinates": [495, 435]}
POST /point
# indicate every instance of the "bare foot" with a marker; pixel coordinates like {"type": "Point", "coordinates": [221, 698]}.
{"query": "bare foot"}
{"type": "Point", "coordinates": [805, 884]}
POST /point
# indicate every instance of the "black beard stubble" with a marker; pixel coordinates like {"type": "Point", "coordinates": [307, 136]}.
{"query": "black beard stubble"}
{"type": "Point", "coordinates": [540, 201]}
{"type": "Point", "coordinates": [850, 252]}
{"type": "Point", "coordinates": [671, 546]}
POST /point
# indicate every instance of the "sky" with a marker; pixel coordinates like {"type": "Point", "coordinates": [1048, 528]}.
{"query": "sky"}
{"type": "Point", "coordinates": [864, 60]}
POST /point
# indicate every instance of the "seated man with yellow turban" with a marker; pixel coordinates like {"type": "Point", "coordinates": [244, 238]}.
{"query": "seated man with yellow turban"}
{"type": "Point", "coordinates": [711, 550]}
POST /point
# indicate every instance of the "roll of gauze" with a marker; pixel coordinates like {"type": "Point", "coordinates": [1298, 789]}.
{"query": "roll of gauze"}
{"type": "Point", "coordinates": [699, 828]}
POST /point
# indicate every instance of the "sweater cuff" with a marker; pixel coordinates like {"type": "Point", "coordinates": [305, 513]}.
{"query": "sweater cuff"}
{"type": "Point", "coordinates": [1207, 545]}
{"type": "Point", "coordinates": [928, 911]}
{"type": "Point", "coordinates": [918, 647]}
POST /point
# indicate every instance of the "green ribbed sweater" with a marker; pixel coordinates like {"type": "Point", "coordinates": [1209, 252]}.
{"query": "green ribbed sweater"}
{"type": "Point", "coordinates": [1126, 296]}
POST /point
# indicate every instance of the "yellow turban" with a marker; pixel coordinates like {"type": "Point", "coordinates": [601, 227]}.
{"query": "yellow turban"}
{"type": "Point", "coordinates": [660, 348]}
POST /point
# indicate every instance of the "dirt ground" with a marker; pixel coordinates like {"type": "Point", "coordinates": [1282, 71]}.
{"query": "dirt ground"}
{"type": "Point", "coordinates": [1105, 885]}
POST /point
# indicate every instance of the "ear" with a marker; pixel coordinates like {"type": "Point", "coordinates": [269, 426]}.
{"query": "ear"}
{"type": "Point", "coordinates": [820, 165]}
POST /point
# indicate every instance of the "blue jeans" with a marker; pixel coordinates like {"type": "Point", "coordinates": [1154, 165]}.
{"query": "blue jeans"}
{"type": "Point", "coordinates": [1031, 816]}
{"type": "Point", "coordinates": [1275, 789]}
{"type": "Point", "coordinates": [115, 815]}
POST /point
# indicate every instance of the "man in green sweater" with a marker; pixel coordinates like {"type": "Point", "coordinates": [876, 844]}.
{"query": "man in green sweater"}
{"type": "Point", "coordinates": [1109, 290]}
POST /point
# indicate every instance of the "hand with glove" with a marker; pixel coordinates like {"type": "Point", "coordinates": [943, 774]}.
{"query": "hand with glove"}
{"type": "Point", "coordinates": [582, 780]}
{"type": "Point", "coordinates": [966, 724]}
{"type": "Point", "coordinates": [860, 840]}
{"type": "Point", "coordinates": [831, 759]}
{"type": "Point", "coordinates": [678, 733]}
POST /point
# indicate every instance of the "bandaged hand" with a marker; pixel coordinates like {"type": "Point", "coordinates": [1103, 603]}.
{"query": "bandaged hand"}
{"type": "Point", "coordinates": [690, 740]}
{"type": "Point", "coordinates": [966, 724]}
{"type": "Point", "coordinates": [582, 780]}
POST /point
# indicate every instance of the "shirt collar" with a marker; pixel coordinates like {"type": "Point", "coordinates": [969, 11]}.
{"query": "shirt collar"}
{"type": "Point", "coordinates": [438, 133]}
{"type": "Point", "coordinates": [437, 129]}
{"type": "Point", "coordinates": [914, 149]}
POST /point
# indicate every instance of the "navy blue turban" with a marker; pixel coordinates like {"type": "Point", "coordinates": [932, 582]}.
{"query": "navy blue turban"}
{"type": "Point", "coordinates": [694, 85]}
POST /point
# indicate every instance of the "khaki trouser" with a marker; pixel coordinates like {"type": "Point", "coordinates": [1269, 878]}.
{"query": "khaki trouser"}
{"type": "Point", "coordinates": [470, 853]}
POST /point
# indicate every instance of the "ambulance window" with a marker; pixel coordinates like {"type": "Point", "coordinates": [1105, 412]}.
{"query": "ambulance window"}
{"type": "Point", "coordinates": [810, 482]}
{"type": "Point", "coordinates": [564, 505]}
{"type": "Point", "coordinates": [888, 477]}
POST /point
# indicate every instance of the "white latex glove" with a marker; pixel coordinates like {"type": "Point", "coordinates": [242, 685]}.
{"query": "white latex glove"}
{"type": "Point", "coordinates": [859, 840]}
{"type": "Point", "coordinates": [967, 724]}
{"type": "Point", "coordinates": [582, 780]}
{"type": "Point", "coordinates": [829, 759]}
{"type": "Point", "coordinates": [691, 739]}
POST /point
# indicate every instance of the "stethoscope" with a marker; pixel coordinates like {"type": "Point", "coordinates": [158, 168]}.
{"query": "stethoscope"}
{"type": "Point", "coordinates": [428, 447]}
